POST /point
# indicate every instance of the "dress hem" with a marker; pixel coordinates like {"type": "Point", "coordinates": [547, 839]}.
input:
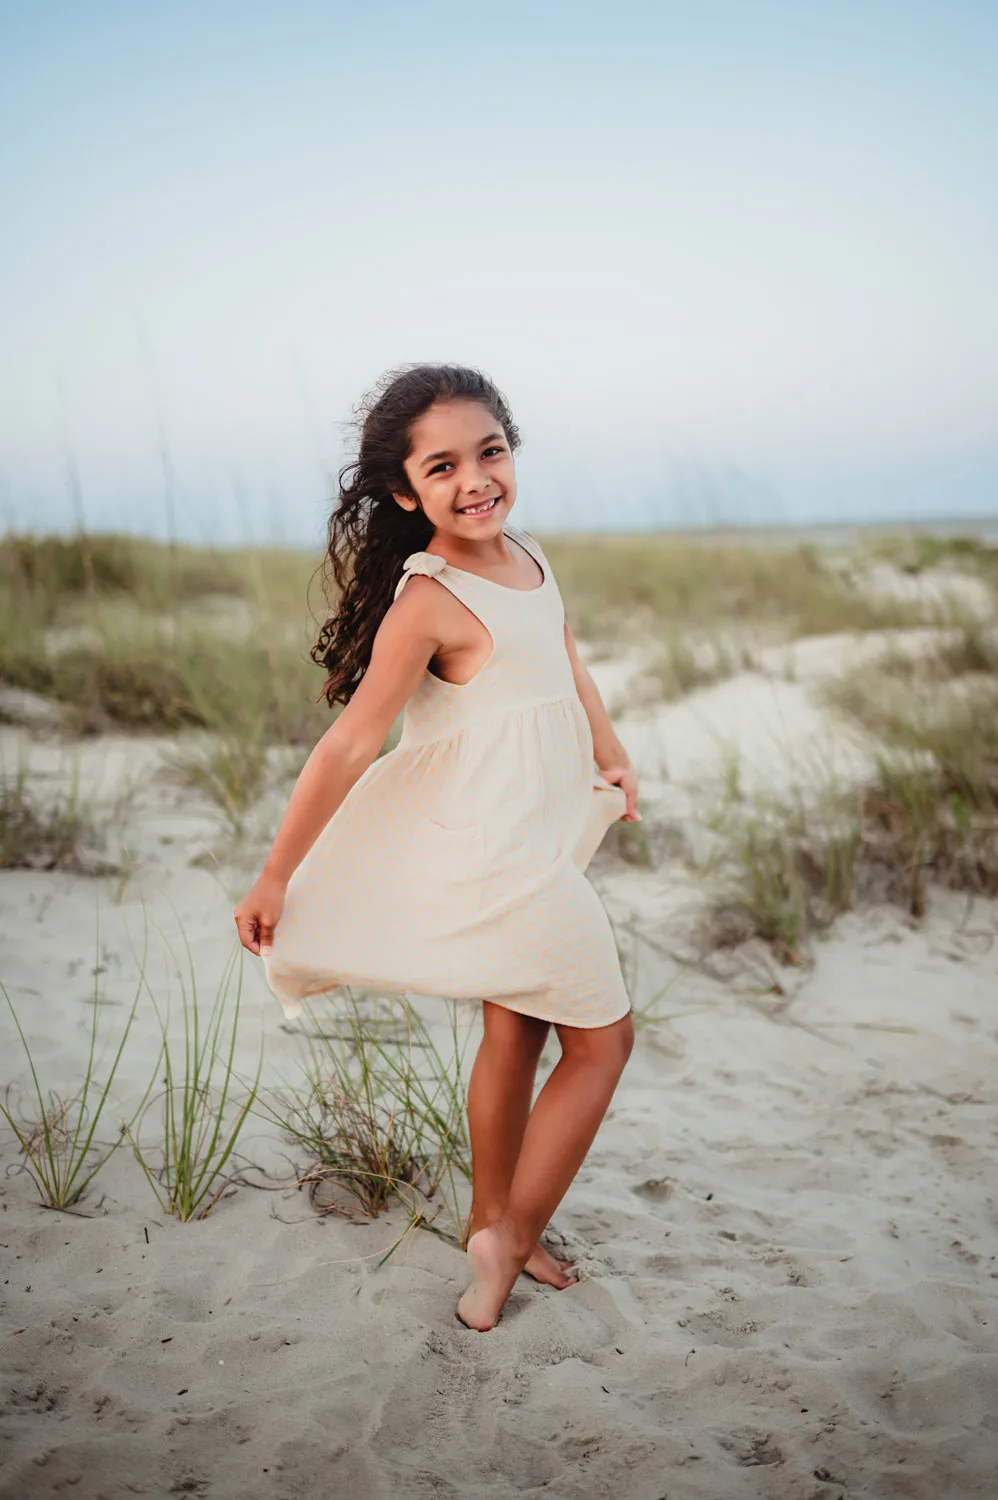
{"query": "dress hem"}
{"type": "Point", "coordinates": [292, 1008]}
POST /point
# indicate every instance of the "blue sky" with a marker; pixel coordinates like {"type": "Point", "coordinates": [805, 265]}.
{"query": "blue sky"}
{"type": "Point", "coordinates": [731, 261]}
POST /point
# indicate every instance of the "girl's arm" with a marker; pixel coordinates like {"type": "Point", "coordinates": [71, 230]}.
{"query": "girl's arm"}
{"type": "Point", "coordinates": [408, 637]}
{"type": "Point", "coordinates": [611, 757]}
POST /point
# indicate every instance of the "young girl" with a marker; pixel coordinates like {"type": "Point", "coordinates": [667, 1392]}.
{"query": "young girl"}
{"type": "Point", "coordinates": [452, 866]}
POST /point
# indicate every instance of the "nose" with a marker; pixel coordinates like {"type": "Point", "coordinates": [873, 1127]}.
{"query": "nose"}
{"type": "Point", "coordinates": [474, 480]}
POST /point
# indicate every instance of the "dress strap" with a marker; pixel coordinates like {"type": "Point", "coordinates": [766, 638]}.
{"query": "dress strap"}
{"type": "Point", "coordinates": [429, 564]}
{"type": "Point", "coordinates": [529, 544]}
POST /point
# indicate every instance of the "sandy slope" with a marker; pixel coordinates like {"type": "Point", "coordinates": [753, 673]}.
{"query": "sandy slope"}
{"type": "Point", "coordinates": [787, 1228]}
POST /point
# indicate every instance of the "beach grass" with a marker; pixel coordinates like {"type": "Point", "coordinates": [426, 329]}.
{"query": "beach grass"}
{"type": "Point", "coordinates": [932, 812]}
{"type": "Point", "coordinates": [163, 675]}
{"type": "Point", "coordinates": [135, 635]}
{"type": "Point", "coordinates": [379, 1110]}
{"type": "Point", "coordinates": [44, 576]}
{"type": "Point", "coordinates": [127, 633]}
{"type": "Point", "coordinates": [682, 663]}
{"type": "Point", "coordinates": [640, 584]}
{"type": "Point", "coordinates": [927, 814]}
{"type": "Point", "coordinates": [199, 1114]}
{"type": "Point", "coordinates": [59, 832]}
{"type": "Point", "coordinates": [916, 552]}
{"type": "Point", "coordinates": [786, 874]}
{"type": "Point", "coordinates": [57, 1134]}
{"type": "Point", "coordinates": [633, 943]}
{"type": "Point", "coordinates": [230, 770]}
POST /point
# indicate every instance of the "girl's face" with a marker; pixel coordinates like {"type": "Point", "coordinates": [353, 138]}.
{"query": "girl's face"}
{"type": "Point", "coordinates": [461, 468]}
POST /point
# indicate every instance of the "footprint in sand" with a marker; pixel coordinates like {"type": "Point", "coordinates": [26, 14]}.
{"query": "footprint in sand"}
{"type": "Point", "coordinates": [655, 1189]}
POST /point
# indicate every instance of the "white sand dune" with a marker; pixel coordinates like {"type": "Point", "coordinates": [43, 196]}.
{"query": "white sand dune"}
{"type": "Point", "coordinates": [787, 1226]}
{"type": "Point", "coordinates": [769, 721]}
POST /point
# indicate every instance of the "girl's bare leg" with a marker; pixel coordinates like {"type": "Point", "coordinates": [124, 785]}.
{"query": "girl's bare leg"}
{"type": "Point", "coordinates": [559, 1132]}
{"type": "Point", "coordinates": [499, 1094]}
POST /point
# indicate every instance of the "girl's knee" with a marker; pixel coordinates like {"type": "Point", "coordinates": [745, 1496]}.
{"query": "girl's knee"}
{"type": "Point", "coordinates": [609, 1046]}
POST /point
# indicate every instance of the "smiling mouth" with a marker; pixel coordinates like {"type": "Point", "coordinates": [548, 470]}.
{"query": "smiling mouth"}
{"type": "Point", "coordinates": [481, 509]}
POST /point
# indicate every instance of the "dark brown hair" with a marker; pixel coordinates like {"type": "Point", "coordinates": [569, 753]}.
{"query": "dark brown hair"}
{"type": "Point", "coordinates": [369, 534]}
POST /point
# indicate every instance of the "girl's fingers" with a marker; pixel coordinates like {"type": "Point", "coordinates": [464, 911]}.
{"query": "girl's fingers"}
{"type": "Point", "coordinates": [256, 932]}
{"type": "Point", "coordinates": [624, 777]}
{"type": "Point", "coordinates": [248, 930]}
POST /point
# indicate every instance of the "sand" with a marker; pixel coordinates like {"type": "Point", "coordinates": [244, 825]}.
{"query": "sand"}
{"type": "Point", "coordinates": [786, 1227]}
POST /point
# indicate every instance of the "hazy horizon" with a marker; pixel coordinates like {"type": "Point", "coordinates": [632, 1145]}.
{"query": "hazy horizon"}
{"type": "Point", "coordinates": [733, 266]}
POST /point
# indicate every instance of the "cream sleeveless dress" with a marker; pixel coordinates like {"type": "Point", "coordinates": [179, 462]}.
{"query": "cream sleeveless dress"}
{"type": "Point", "coordinates": [453, 868]}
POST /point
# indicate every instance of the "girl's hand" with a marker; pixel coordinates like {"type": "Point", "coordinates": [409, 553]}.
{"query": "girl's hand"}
{"type": "Point", "coordinates": [258, 913]}
{"type": "Point", "coordinates": [626, 778]}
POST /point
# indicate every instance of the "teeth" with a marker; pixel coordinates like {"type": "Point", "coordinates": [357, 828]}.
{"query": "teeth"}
{"type": "Point", "coordinates": [478, 510]}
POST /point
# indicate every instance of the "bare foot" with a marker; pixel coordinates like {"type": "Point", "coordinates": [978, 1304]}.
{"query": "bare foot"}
{"type": "Point", "coordinates": [543, 1266]}
{"type": "Point", "coordinates": [494, 1269]}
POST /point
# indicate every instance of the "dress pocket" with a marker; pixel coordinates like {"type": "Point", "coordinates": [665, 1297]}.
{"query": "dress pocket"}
{"type": "Point", "coordinates": [451, 830]}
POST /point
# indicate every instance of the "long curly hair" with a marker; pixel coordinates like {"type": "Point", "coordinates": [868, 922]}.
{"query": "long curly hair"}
{"type": "Point", "coordinates": [369, 534]}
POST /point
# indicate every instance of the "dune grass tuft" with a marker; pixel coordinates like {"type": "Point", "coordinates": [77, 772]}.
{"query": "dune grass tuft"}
{"type": "Point", "coordinates": [144, 677]}
{"type": "Point", "coordinates": [787, 876]}
{"type": "Point", "coordinates": [380, 1111]}
{"type": "Point", "coordinates": [683, 664]}
{"type": "Point", "coordinates": [229, 770]}
{"type": "Point", "coordinates": [60, 833]}
{"type": "Point", "coordinates": [57, 1135]}
{"type": "Point", "coordinates": [928, 813]}
{"type": "Point", "coordinates": [199, 1116]}
{"type": "Point", "coordinates": [932, 814]}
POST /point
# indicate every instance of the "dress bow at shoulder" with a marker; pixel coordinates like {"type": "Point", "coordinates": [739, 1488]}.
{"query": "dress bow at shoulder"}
{"type": "Point", "coordinates": [429, 564]}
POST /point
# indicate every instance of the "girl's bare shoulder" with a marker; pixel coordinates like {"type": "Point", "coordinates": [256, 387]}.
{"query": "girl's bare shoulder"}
{"type": "Point", "coordinates": [426, 610]}
{"type": "Point", "coordinates": [422, 592]}
{"type": "Point", "coordinates": [424, 605]}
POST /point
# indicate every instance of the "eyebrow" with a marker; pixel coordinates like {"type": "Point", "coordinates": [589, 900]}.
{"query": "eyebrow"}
{"type": "Point", "coordinates": [432, 458]}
